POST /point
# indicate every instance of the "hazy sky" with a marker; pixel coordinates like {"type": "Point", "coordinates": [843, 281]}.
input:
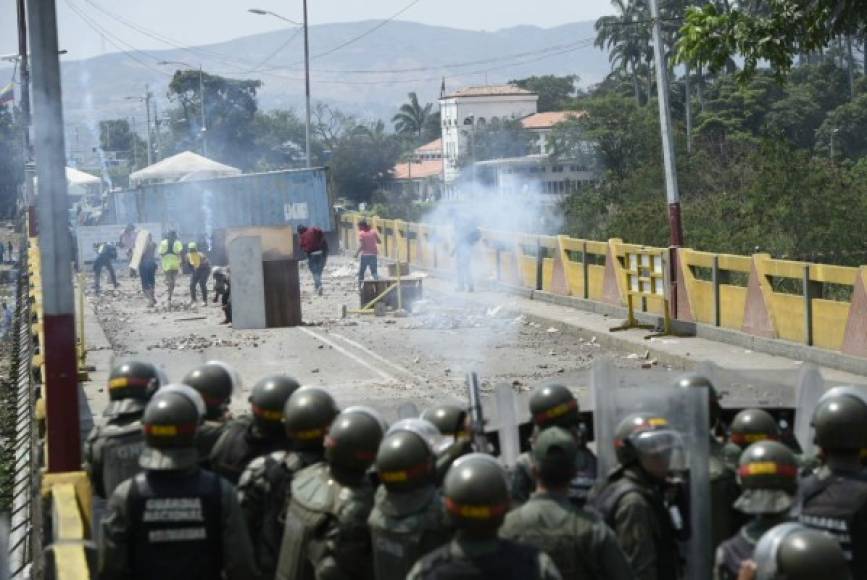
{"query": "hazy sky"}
{"type": "Point", "coordinates": [195, 22]}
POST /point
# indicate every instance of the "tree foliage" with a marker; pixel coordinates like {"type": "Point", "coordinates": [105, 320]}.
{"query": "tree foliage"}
{"type": "Point", "coordinates": [230, 112]}
{"type": "Point", "coordinates": [11, 160]}
{"type": "Point", "coordinates": [412, 117]}
{"type": "Point", "coordinates": [555, 93]}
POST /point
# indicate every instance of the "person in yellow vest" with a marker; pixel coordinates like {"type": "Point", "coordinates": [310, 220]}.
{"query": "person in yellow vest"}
{"type": "Point", "coordinates": [200, 271]}
{"type": "Point", "coordinates": [170, 252]}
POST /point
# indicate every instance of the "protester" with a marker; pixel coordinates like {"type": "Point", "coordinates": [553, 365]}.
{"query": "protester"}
{"type": "Point", "coordinates": [315, 245]}
{"type": "Point", "coordinates": [170, 250]}
{"type": "Point", "coordinates": [147, 269]}
{"type": "Point", "coordinates": [368, 250]}
{"type": "Point", "coordinates": [105, 256]}
{"type": "Point", "coordinates": [200, 271]}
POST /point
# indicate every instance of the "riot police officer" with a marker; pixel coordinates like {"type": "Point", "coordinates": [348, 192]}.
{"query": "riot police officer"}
{"type": "Point", "coordinates": [632, 500]}
{"type": "Point", "coordinates": [112, 451]}
{"type": "Point", "coordinates": [724, 490]}
{"type": "Point", "coordinates": [477, 499]}
{"type": "Point", "coordinates": [749, 426]}
{"type": "Point", "coordinates": [174, 520]}
{"type": "Point", "coordinates": [555, 406]}
{"type": "Point", "coordinates": [451, 421]}
{"type": "Point", "coordinates": [768, 474]}
{"type": "Point", "coordinates": [408, 518]}
{"type": "Point", "coordinates": [580, 543]}
{"type": "Point", "coordinates": [216, 382]}
{"type": "Point", "coordinates": [834, 498]}
{"type": "Point", "coordinates": [794, 552]}
{"type": "Point", "coordinates": [326, 533]}
{"type": "Point", "coordinates": [263, 490]}
{"type": "Point", "coordinates": [246, 438]}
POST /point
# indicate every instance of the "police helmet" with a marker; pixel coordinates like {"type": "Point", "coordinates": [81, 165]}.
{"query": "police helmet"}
{"type": "Point", "coordinates": [267, 401]}
{"type": "Point", "coordinates": [130, 385]}
{"type": "Point", "coordinates": [476, 493]}
{"type": "Point", "coordinates": [794, 552]}
{"type": "Point", "coordinates": [171, 421]}
{"type": "Point", "coordinates": [554, 404]}
{"type": "Point", "coordinates": [216, 382]}
{"type": "Point", "coordinates": [307, 414]}
{"type": "Point", "coordinates": [768, 475]}
{"type": "Point", "coordinates": [405, 460]}
{"type": "Point", "coordinates": [751, 426]}
{"type": "Point", "coordinates": [692, 381]}
{"type": "Point", "coordinates": [840, 420]}
{"type": "Point", "coordinates": [352, 442]}
{"type": "Point", "coordinates": [449, 419]}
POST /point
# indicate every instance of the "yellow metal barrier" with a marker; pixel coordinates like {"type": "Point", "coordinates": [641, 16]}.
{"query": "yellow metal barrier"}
{"type": "Point", "coordinates": [645, 281]}
{"type": "Point", "coordinates": [69, 498]}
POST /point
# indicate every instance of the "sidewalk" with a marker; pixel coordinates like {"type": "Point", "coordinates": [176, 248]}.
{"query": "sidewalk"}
{"type": "Point", "coordinates": [99, 357]}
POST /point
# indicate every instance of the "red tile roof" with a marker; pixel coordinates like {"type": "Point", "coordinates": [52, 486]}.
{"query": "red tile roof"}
{"type": "Point", "coordinates": [428, 168]}
{"type": "Point", "coordinates": [432, 147]}
{"type": "Point", "coordinates": [549, 119]}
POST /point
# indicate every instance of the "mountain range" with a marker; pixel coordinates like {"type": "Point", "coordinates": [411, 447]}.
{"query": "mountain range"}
{"type": "Point", "coordinates": [366, 68]}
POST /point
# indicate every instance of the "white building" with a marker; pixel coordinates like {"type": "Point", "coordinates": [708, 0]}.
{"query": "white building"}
{"type": "Point", "coordinates": [469, 108]}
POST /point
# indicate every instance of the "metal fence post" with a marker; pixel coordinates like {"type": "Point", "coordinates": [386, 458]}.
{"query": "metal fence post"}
{"type": "Point", "coordinates": [717, 312]}
{"type": "Point", "coordinates": [586, 270]}
{"type": "Point", "coordinates": [540, 265]}
{"type": "Point", "coordinates": [808, 307]}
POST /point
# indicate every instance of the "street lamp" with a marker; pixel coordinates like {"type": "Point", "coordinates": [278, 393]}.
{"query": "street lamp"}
{"type": "Point", "coordinates": [261, 12]}
{"type": "Point", "coordinates": [201, 99]}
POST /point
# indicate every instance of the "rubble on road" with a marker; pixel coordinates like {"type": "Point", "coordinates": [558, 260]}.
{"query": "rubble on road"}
{"type": "Point", "coordinates": [199, 343]}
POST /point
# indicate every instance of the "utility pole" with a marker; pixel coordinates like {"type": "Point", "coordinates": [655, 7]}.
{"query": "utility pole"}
{"type": "Point", "coordinates": [307, 87]}
{"type": "Point", "coordinates": [671, 189]}
{"type": "Point", "coordinates": [202, 105]}
{"type": "Point", "coordinates": [25, 77]}
{"type": "Point", "coordinates": [133, 137]}
{"type": "Point", "coordinates": [157, 130]}
{"type": "Point", "coordinates": [147, 100]}
{"type": "Point", "coordinates": [61, 365]}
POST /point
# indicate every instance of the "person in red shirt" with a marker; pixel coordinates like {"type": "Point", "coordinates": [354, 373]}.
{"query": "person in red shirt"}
{"type": "Point", "coordinates": [315, 245]}
{"type": "Point", "coordinates": [368, 250]}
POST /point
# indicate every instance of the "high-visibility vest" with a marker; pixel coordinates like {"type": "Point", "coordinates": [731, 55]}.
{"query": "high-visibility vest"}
{"type": "Point", "coordinates": [171, 258]}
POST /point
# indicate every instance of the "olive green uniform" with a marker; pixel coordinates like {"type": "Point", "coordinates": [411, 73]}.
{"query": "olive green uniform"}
{"type": "Point", "coordinates": [483, 559]}
{"type": "Point", "coordinates": [580, 543]}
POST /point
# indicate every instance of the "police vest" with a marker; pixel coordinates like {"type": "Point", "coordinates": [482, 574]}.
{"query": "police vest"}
{"type": "Point", "coordinates": [606, 503]}
{"type": "Point", "coordinates": [732, 553]}
{"type": "Point", "coordinates": [831, 504]}
{"type": "Point", "coordinates": [238, 446]}
{"type": "Point", "coordinates": [118, 448]}
{"type": "Point", "coordinates": [566, 536]}
{"type": "Point", "coordinates": [510, 561]}
{"type": "Point", "coordinates": [404, 527]}
{"type": "Point", "coordinates": [176, 527]}
{"type": "Point", "coordinates": [320, 510]}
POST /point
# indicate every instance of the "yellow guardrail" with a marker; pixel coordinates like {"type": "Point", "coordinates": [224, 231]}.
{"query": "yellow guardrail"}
{"type": "Point", "coordinates": [820, 305]}
{"type": "Point", "coordinates": [68, 497]}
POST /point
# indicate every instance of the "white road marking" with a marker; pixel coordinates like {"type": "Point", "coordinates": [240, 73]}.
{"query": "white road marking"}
{"type": "Point", "coordinates": [380, 358]}
{"type": "Point", "coordinates": [349, 354]}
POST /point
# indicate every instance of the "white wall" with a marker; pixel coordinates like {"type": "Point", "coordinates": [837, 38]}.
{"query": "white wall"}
{"type": "Point", "coordinates": [456, 110]}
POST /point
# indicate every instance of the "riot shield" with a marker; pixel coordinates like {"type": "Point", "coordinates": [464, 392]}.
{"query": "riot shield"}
{"type": "Point", "coordinates": [510, 446]}
{"type": "Point", "coordinates": [810, 388]}
{"type": "Point", "coordinates": [686, 412]}
{"type": "Point", "coordinates": [407, 411]}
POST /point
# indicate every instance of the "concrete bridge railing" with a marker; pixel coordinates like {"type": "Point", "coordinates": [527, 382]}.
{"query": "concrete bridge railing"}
{"type": "Point", "coordinates": [817, 305]}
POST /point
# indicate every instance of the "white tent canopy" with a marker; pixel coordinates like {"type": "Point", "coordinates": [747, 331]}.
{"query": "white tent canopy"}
{"type": "Point", "coordinates": [186, 166]}
{"type": "Point", "coordinates": [78, 177]}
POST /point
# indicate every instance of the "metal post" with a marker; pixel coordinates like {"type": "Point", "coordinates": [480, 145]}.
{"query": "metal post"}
{"type": "Point", "coordinates": [157, 130]}
{"type": "Point", "coordinates": [586, 270]}
{"type": "Point", "coordinates": [499, 266]}
{"type": "Point", "coordinates": [540, 266]}
{"type": "Point", "coordinates": [672, 193]}
{"type": "Point", "coordinates": [61, 373]}
{"type": "Point", "coordinates": [134, 148]}
{"type": "Point", "coordinates": [808, 307]}
{"type": "Point", "coordinates": [147, 100]}
{"type": "Point", "coordinates": [307, 87]}
{"type": "Point", "coordinates": [688, 110]}
{"type": "Point", "coordinates": [717, 312]}
{"type": "Point", "coordinates": [25, 77]}
{"type": "Point", "coordinates": [202, 104]}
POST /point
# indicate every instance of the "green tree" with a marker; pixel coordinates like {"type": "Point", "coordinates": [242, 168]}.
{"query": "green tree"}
{"type": "Point", "coordinates": [626, 36]}
{"type": "Point", "coordinates": [555, 93]}
{"type": "Point", "coordinates": [362, 160]}
{"type": "Point", "coordinates": [230, 111]}
{"type": "Point", "coordinates": [281, 141]}
{"type": "Point", "coordinates": [846, 126]}
{"type": "Point", "coordinates": [116, 135]}
{"type": "Point", "coordinates": [497, 139]}
{"type": "Point", "coordinates": [412, 117]}
{"type": "Point", "coordinates": [776, 33]}
{"type": "Point", "coordinates": [11, 160]}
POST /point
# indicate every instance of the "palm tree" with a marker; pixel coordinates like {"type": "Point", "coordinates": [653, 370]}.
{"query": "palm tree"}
{"type": "Point", "coordinates": [411, 117]}
{"type": "Point", "coordinates": [626, 35]}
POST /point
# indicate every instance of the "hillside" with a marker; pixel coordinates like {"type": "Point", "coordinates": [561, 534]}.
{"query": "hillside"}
{"type": "Point", "coordinates": [97, 88]}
